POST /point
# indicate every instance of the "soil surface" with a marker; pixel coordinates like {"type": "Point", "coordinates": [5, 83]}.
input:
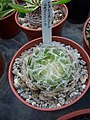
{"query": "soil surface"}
{"type": "Point", "coordinates": [33, 20]}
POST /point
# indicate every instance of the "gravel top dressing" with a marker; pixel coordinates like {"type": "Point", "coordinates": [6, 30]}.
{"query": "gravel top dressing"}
{"type": "Point", "coordinates": [50, 76]}
{"type": "Point", "coordinates": [33, 20]}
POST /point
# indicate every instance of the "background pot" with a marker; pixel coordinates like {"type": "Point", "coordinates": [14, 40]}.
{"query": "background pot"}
{"type": "Point", "coordinates": [78, 10]}
{"type": "Point", "coordinates": [76, 114]}
{"type": "Point", "coordinates": [8, 26]}
{"type": "Point", "coordinates": [36, 42]}
{"type": "Point", "coordinates": [1, 64]}
{"type": "Point", "coordinates": [34, 33]}
{"type": "Point", "coordinates": [86, 44]}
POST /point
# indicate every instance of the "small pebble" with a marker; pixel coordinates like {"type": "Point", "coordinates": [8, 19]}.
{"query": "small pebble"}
{"type": "Point", "coordinates": [34, 103]}
{"type": "Point", "coordinates": [82, 62]}
{"type": "Point", "coordinates": [83, 86]}
{"type": "Point", "coordinates": [74, 95]}
{"type": "Point", "coordinates": [28, 100]}
{"type": "Point", "coordinates": [83, 78]}
{"type": "Point", "coordinates": [58, 105]}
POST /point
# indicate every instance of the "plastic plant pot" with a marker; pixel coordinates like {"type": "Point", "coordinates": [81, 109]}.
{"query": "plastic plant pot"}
{"type": "Point", "coordinates": [86, 44]}
{"type": "Point", "coordinates": [77, 115]}
{"type": "Point", "coordinates": [8, 26]}
{"type": "Point", "coordinates": [34, 33]}
{"type": "Point", "coordinates": [78, 11]}
{"type": "Point", "coordinates": [36, 42]}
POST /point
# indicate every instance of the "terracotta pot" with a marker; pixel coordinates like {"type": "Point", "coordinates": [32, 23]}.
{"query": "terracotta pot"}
{"type": "Point", "coordinates": [1, 65]}
{"type": "Point", "coordinates": [8, 26]}
{"type": "Point", "coordinates": [33, 33]}
{"type": "Point", "coordinates": [76, 114]}
{"type": "Point", "coordinates": [36, 42]}
{"type": "Point", "coordinates": [86, 44]}
{"type": "Point", "coordinates": [78, 10]}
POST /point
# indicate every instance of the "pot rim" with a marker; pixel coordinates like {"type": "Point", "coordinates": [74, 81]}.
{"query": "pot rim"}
{"type": "Point", "coordinates": [66, 14]}
{"type": "Point", "coordinates": [8, 16]}
{"type": "Point", "coordinates": [10, 76]}
{"type": "Point", "coordinates": [84, 29]}
{"type": "Point", "coordinates": [75, 114]}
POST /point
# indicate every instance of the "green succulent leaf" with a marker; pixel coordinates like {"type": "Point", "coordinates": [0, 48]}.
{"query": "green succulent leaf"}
{"type": "Point", "coordinates": [60, 2]}
{"type": "Point", "coordinates": [5, 12]}
{"type": "Point", "coordinates": [23, 9]}
{"type": "Point", "coordinates": [1, 6]}
{"type": "Point", "coordinates": [48, 68]}
{"type": "Point", "coordinates": [88, 40]}
{"type": "Point", "coordinates": [22, 14]}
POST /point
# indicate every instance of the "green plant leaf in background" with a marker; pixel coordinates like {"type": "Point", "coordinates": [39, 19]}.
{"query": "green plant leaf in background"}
{"type": "Point", "coordinates": [1, 7]}
{"type": "Point", "coordinates": [60, 2]}
{"type": "Point", "coordinates": [4, 8]}
{"type": "Point", "coordinates": [5, 12]}
{"type": "Point", "coordinates": [23, 9]}
{"type": "Point", "coordinates": [33, 5]}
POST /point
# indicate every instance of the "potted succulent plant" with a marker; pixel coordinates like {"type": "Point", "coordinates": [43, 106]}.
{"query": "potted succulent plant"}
{"type": "Point", "coordinates": [8, 26]}
{"type": "Point", "coordinates": [77, 115]}
{"type": "Point", "coordinates": [30, 21]}
{"type": "Point", "coordinates": [50, 77]}
{"type": "Point", "coordinates": [1, 64]}
{"type": "Point", "coordinates": [86, 34]}
{"type": "Point", "coordinates": [78, 11]}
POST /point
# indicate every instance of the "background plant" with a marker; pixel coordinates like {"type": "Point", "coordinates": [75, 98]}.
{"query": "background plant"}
{"type": "Point", "coordinates": [5, 9]}
{"type": "Point", "coordinates": [34, 5]}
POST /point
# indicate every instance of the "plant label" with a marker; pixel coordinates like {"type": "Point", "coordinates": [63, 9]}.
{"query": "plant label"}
{"type": "Point", "coordinates": [46, 9]}
{"type": "Point", "coordinates": [13, 1]}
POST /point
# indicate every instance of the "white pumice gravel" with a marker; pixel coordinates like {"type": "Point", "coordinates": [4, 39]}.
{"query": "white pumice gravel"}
{"type": "Point", "coordinates": [41, 97]}
{"type": "Point", "coordinates": [33, 20]}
